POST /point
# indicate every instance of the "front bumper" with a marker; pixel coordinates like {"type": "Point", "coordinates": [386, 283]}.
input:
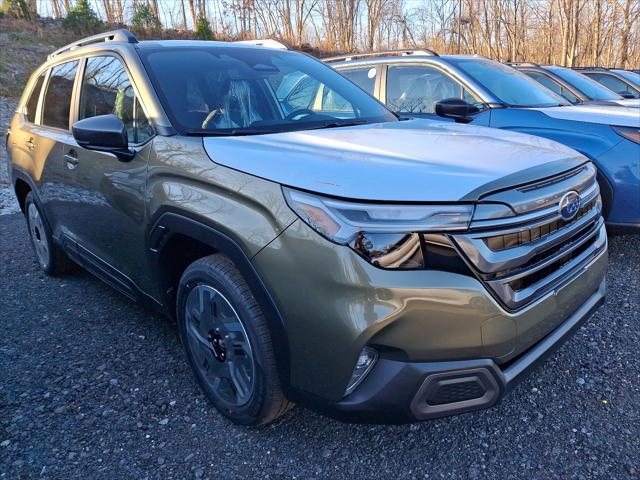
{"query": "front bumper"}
{"type": "Point", "coordinates": [333, 304]}
{"type": "Point", "coordinates": [397, 391]}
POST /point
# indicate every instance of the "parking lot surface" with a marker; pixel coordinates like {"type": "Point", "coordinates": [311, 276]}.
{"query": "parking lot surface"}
{"type": "Point", "coordinates": [94, 386]}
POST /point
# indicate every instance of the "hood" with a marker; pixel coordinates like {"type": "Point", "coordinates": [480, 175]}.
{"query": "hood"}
{"type": "Point", "coordinates": [413, 160]}
{"type": "Point", "coordinates": [603, 114]}
{"type": "Point", "coordinates": [629, 102]}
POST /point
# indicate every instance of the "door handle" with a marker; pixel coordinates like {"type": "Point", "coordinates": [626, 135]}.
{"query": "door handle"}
{"type": "Point", "coordinates": [71, 158]}
{"type": "Point", "coordinates": [29, 143]}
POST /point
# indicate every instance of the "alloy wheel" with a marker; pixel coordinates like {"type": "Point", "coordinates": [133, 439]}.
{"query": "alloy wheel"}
{"type": "Point", "coordinates": [220, 346]}
{"type": "Point", "coordinates": [38, 235]}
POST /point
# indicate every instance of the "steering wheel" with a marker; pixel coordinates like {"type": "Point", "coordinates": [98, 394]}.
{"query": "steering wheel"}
{"type": "Point", "coordinates": [299, 112]}
{"type": "Point", "coordinates": [212, 114]}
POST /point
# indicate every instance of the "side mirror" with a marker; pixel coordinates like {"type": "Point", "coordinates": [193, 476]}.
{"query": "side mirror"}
{"type": "Point", "coordinates": [455, 108]}
{"type": "Point", "coordinates": [625, 94]}
{"type": "Point", "coordinates": [104, 133]}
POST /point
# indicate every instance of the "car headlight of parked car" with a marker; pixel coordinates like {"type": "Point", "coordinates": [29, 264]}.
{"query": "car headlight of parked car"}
{"type": "Point", "coordinates": [389, 236]}
{"type": "Point", "coordinates": [630, 133]}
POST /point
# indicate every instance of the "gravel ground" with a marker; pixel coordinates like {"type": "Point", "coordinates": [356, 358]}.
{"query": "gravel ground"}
{"type": "Point", "coordinates": [94, 386]}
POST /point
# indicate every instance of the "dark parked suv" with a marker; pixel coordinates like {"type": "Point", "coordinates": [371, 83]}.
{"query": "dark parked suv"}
{"type": "Point", "coordinates": [312, 247]}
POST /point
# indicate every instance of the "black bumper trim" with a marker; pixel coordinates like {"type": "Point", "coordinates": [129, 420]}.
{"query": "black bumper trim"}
{"type": "Point", "coordinates": [399, 392]}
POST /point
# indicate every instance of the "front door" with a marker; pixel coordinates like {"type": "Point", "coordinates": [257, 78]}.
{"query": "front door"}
{"type": "Point", "coordinates": [106, 202]}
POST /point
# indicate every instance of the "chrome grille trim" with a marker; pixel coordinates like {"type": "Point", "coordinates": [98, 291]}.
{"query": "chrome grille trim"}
{"type": "Point", "coordinates": [518, 275]}
{"type": "Point", "coordinates": [520, 298]}
{"type": "Point", "coordinates": [488, 261]}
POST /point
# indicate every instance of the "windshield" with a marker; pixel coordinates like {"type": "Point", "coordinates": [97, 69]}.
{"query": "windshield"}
{"type": "Point", "coordinates": [632, 77]}
{"type": "Point", "coordinates": [589, 87]}
{"type": "Point", "coordinates": [222, 90]}
{"type": "Point", "coordinates": [509, 85]}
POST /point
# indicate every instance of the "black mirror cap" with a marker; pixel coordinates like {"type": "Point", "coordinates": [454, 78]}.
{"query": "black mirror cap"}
{"type": "Point", "coordinates": [625, 94]}
{"type": "Point", "coordinates": [104, 133]}
{"type": "Point", "coordinates": [455, 108]}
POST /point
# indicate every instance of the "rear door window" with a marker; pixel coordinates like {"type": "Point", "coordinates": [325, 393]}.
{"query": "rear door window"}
{"type": "Point", "coordinates": [57, 100]}
{"type": "Point", "coordinates": [107, 90]}
{"type": "Point", "coordinates": [32, 103]}
{"type": "Point", "coordinates": [365, 78]}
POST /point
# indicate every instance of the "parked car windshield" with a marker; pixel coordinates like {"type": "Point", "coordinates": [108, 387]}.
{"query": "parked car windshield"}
{"type": "Point", "coordinates": [586, 85]}
{"type": "Point", "coordinates": [631, 76]}
{"type": "Point", "coordinates": [224, 90]}
{"type": "Point", "coordinates": [507, 84]}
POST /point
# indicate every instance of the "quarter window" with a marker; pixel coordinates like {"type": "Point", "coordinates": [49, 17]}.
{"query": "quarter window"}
{"type": "Point", "coordinates": [32, 103]}
{"type": "Point", "coordinates": [416, 89]}
{"type": "Point", "coordinates": [106, 89]}
{"type": "Point", "coordinates": [57, 100]}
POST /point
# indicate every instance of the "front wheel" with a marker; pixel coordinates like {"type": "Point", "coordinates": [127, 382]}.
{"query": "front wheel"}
{"type": "Point", "coordinates": [228, 343]}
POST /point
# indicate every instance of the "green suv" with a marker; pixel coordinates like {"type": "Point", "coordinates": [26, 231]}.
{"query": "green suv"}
{"type": "Point", "coordinates": [312, 246]}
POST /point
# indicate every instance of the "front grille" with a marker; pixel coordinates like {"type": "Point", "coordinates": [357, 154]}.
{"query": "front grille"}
{"type": "Point", "coordinates": [523, 237]}
{"type": "Point", "coordinates": [522, 257]}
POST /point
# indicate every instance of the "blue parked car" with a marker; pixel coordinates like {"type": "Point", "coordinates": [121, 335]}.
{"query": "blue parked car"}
{"type": "Point", "coordinates": [574, 86]}
{"type": "Point", "coordinates": [472, 89]}
{"type": "Point", "coordinates": [632, 77]}
{"type": "Point", "coordinates": [613, 80]}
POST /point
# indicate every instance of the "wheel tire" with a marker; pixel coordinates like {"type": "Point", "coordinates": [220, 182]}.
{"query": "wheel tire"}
{"type": "Point", "coordinates": [228, 343]}
{"type": "Point", "coordinates": [50, 257]}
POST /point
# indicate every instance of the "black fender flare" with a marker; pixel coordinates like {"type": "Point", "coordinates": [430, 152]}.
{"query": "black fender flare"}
{"type": "Point", "coordinates": [170, 222]}
{"type": "Point", "coordinates": [16, 175]}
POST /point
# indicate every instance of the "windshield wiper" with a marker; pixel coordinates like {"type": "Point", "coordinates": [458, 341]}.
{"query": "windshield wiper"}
{"type": "Point", "coordinates": [227, 132]}
{"type": "Point", "coordinates": [347, 123]}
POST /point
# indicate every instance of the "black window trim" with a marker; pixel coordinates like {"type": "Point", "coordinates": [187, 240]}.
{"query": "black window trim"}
{"type": "Point", "coordinates": [78, 87]}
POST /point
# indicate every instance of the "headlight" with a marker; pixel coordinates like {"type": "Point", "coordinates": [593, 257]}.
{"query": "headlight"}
{"type": "Point", "coordinates": [630, 133]}
{"type": "Point", "coordinates": [388, 235]}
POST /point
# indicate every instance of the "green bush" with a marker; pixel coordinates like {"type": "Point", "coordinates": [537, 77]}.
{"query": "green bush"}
{"type": "Point", "coordinates": [17, 9]}
{"type": "Point", "coordinates": [203, 29]}
{"type": "Point", "coordinates": [82, 18]}
{"type": "Point", "coordinates": [144, 18]}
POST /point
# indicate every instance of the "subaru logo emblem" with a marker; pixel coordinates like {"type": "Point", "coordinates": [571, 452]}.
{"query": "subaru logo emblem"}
{"type": "Point", "coordinates": [569, 205]}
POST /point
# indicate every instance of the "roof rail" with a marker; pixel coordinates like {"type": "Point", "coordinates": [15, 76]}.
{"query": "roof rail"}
{"type": "Point", "coordinates": [121, 35]}
{"type": "Point", "coordinates": [399, 53]}
{"type": "Point", "coordinates": [589, 68]}
{"type": "Point", "coordinates": [522, 64]}
{"type": "Point", "coordinates": [266, 42]}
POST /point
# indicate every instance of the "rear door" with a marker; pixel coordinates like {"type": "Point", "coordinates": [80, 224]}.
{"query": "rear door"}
{"type": "Point", "coordinates": [25, 136]}
{"type": "Point", "coordinates": [50, 134]}
{"type": "Point", "coordinates": [106, 201]}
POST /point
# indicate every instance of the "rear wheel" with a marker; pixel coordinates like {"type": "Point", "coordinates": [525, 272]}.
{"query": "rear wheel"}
{"type": "Point", "coordinates": [228, 343]}
{"type": "Point", "coordinates": [50, 257]}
